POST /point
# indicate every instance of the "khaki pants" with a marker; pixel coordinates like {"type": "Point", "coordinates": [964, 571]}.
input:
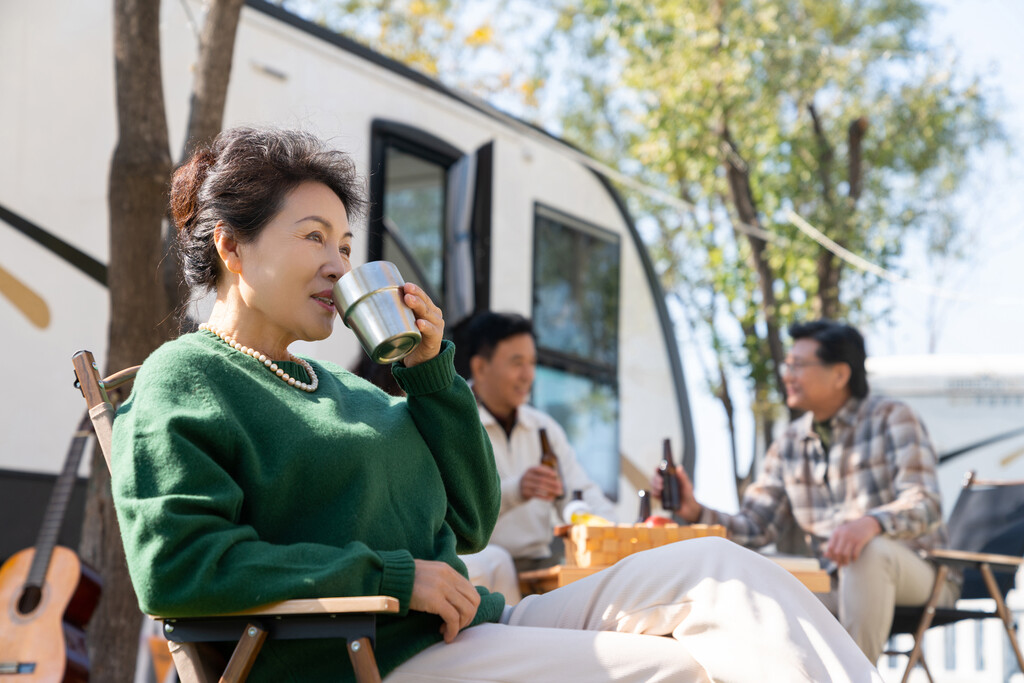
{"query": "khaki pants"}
{"type": "Point", "coordinates": [728, 614]}
{"type": "Point", "coordinates": [865, 592]}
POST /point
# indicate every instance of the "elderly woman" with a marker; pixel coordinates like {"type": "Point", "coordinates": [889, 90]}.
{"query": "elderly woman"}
{"type": "Point", "coordinates": [243, 475]}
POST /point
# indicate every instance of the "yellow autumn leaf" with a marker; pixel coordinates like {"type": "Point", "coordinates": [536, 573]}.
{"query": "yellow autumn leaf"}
{"type": "Point", "coordinates": [528, 90]}
{"type": "Point", "coordinates": [483, 35]}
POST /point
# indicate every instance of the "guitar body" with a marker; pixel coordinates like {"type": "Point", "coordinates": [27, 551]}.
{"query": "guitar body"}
{"type": "Point", "coordinates": [47, 643]}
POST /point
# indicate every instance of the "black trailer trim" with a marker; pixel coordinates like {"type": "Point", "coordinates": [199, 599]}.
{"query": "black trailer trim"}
{"type": "Point", "coordinates": [482, 207]}
{"type": "Point", "coordinates": [24, 497]}
{"type": "Point", "coordinates": [73, 255]}
{"type": "Point", "coordinates": [416, 141]}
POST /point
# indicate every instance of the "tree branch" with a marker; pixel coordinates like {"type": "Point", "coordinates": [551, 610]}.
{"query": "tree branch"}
{"type": "Point", "coordinates": [738, 175]}
{"type": "Point", "coordinates": [855, 137]}
{"type": "Point", "coordinates": [206, 114]}
{"type": "Point", "coordinates": [210, 86]}
{"type": "Point", "coordinates": [826, 155]}
{"type": "Point", "coordinates": [828, 266]}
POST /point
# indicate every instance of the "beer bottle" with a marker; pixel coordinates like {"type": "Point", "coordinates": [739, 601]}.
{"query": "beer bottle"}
{"type": "Point", "coordinates": [548, 457]}
{"type": "Point", "coordinates": [645, 505]}
{"type": "Point", "coordinates": [671, 492]}
{"type": "Point", "coordinates": [547, 454]}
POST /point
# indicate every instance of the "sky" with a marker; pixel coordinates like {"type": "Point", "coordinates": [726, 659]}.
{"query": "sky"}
{"type": "Point", "coordinates": [985, 315]}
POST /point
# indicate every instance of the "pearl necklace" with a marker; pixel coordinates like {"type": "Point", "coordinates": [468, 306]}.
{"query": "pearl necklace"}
{"type": "Point", "coordinates": [271, 365]}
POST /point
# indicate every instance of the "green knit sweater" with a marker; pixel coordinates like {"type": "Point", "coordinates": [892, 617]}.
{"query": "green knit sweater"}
{"type": "Point", "coordinates": [234, 489]}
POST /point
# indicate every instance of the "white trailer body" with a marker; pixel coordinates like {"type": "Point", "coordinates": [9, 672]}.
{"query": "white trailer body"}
{"type": "Point", "coordinates": [544, 231]}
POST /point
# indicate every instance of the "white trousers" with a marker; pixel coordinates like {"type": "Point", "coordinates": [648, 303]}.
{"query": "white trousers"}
{"type": "Point", "coordinates": [694, 611]}
{"type": "Point", "coordinates": [887, 573]}
{"type": "Point", "coordinates": [494, 569]}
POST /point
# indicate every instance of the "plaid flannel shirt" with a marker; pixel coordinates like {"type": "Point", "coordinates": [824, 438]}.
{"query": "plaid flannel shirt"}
{"type": "Point", "coordinates": [881, 463]}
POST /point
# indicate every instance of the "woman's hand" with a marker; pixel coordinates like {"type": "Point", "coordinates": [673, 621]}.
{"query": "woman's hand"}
{"type": "Point", "coordinates": [429, 321]}
{"type": "Point", "coordinates": [439, 589]}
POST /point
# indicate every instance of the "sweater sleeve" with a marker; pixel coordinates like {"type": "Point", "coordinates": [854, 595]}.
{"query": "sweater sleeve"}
{"type": "Point", "coordinates": [445, 413]}
{"type": "Point", "coordinates": [765, 508]}
{"type": "Point", "coordinates": [178, 506]}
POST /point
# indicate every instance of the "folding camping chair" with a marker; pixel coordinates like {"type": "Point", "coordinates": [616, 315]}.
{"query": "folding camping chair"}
{"type": "Point", "coordinates": [986, 537]}
{"type": "Point", "coordinates": [351, 618]}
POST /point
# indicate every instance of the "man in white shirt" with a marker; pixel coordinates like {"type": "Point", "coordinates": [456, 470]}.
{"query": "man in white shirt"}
{"type": "Point", "coordinates": [502, 362]}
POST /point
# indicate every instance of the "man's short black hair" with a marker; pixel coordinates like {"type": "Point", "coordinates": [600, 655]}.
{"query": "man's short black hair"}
{"type": "Point", "coordinates": [481, 334]}
{"type": "Point", "coordinates": [837, 343]}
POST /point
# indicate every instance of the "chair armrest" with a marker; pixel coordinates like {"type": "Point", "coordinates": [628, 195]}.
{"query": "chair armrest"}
{"type": "Point", "coordinates": [311, 606]}
{"type": "Point", "coordinates": [286, 620]}
{"type": "Point", "coordinates": [362, 603]}
{"type": "Point", "coordinates": [963, 558]}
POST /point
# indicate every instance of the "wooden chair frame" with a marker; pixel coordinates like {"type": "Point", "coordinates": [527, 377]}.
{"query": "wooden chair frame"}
{"type": "Point", "coordinates": [987, 564]}
{"type": "Point", "coordinates": [351, 618]}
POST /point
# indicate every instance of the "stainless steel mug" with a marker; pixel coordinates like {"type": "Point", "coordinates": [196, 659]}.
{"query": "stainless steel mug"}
{"type": "Point", "coordinates": [370, 302]}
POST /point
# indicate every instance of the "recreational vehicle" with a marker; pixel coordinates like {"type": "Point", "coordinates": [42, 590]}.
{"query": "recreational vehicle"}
{"type": "Point", "coordinates": [481, 209]}
{"type": "Point", "coordinates": [972, 407]}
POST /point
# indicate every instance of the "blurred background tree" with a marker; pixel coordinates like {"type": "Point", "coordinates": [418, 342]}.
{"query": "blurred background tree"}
{"type": "Point", "coordinates": [747, 110]}
{"type": "Point", "coordinates": [739, 112]}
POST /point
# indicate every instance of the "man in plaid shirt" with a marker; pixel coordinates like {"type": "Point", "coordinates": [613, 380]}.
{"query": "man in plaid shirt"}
{"type": "Point", "coordinates": [856, 474]}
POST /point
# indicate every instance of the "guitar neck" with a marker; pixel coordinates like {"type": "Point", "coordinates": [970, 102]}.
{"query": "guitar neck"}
{"type": "Point", "coordinates": [59, 497]}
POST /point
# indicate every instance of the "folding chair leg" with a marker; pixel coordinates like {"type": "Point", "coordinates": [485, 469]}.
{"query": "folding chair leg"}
{"type": "Point", "coordinates": [1004, 613]}
{"type": "Point", "coordinates": [244, 655]}
{"type": "Point", "coordinates": [927, 672]}
{"type": "Point", "coordinates": [188, 663]}
{"type": "Point", "coordinates": [926, 621]}
{"type": "Point", "coordinates": [360, 652]}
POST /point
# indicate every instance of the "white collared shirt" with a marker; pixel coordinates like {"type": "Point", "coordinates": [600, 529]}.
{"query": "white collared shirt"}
{"type": "Point", "coordinates": [525, 527]}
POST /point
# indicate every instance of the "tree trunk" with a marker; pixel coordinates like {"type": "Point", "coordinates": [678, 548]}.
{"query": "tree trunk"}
{"type": "Point", "coordinates": [139, 178]}
{"type": "Point", "coordinates": [743, 201]}
{"type": "Point", "coordinates": [745, 208]}
{"type": "Point", "coordinates": [141, 303]}
{"type": "Point", "coordinates": [829, 269]}
{"type": "Point", "coordinates": [855, 170]}
{"type": "Point", "coordinates": [139, 313]}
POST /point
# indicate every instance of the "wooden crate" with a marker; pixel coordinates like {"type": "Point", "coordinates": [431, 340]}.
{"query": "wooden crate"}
{"type": "Point", "coordinates": [600, 546]}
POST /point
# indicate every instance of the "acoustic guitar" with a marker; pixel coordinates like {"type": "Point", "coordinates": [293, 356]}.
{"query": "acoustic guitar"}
{"type": "Point", "coordinates": [47, 596]}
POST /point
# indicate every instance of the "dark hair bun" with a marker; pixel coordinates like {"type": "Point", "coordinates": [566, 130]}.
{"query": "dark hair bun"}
{"type": "Point", "coordinates": [185, 186]}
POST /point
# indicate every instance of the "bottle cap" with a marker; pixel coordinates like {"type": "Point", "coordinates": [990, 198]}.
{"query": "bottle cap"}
{"type": "Point", "coordinates": [574, 508]}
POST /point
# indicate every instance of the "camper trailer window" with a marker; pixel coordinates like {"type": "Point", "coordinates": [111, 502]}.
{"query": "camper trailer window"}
{"type": "Point", "coordinates": [576, 322]}
{"type": "Point", "coordinates": [414, 191]}
{"type": "Point", "coordinates": [576, 290]}
{"type": "Point", "coordinates": [588, 410]}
